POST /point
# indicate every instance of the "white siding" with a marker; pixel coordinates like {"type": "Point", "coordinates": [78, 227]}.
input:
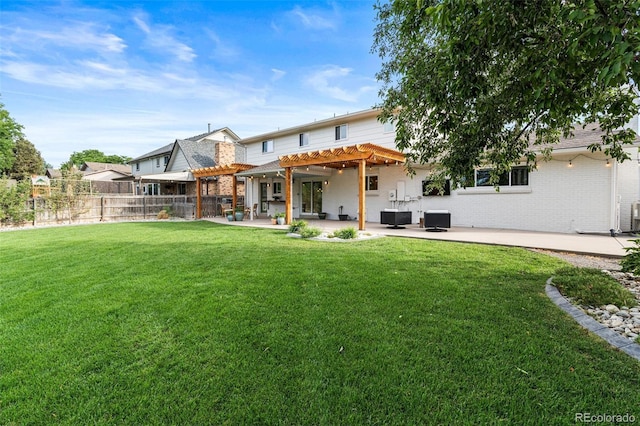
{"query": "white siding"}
{"type": "Point", "coordinates": [367, 130]}
{"type": "Point", "coordinates": [178, 163]}
{"type": "Point", "coordinates": [559, 198]}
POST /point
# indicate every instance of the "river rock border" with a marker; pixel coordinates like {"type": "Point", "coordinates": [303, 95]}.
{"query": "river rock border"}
{"type": "Point", "coordinates": [614, 338]}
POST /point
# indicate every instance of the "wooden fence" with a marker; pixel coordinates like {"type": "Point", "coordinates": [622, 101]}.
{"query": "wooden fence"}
{"type": "Point", "coordinates": [112, 208]}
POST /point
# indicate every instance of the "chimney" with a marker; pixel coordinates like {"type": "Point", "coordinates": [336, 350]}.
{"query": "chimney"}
{"type": "Point", "coordinates": [208, 127]}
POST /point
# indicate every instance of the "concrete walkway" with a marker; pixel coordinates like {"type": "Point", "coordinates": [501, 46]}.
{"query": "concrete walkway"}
{"type": "Point", "coordinates": [596, 245]}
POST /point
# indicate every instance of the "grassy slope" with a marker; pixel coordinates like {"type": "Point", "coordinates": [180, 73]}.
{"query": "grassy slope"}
{"type": "Point", "coordinates": [199, 323]}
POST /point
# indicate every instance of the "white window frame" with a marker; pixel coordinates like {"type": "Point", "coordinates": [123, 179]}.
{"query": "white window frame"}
{"type": "Point", "coordinates": [267, 146]}
{"type": "Point", "coordinates": [303, 140]}
{"type": "Point", "coordinates": [509, 177]}
{"type": "Point", "coordinates": [388, 127]}
{"type": "Point", "coordinates": [341, 132]}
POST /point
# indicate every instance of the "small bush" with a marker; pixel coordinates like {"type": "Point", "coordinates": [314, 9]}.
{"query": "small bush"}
{"type": "Point", "coordinates": [310, 232]}
{"type": "Point", "coordinates": [13, 202]}
{"type": "Point", "coordinates": [588, 286]}
{"type": "Point", "coordinates": [348, 233]}
{"type": "Point", "coordinates": [296, 226]}
{"type": "Point", "coordinates": [631, 261]}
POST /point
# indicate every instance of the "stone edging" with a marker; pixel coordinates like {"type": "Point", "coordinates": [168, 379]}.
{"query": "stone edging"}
{"type": "Point", "coordinates": [613, 338]}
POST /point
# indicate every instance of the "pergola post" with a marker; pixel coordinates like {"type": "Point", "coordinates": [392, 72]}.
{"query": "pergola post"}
{"type": "Point", "coordinates": [234, 193]}
{"type": "Point", "coordinates": [362, 169]}
{"type": "Point", "coordinates": [288, 187]}
{"type": "Point", "coordinates": [198, 198]}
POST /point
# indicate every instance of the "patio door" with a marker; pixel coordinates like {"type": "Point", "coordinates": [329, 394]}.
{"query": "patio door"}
{"type": "Point", "coordinates": [311, 197]}
{"type": "Point", "coordinates": [263, 198]}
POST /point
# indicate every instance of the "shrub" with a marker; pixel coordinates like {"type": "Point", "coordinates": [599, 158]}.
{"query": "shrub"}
{"type": "Point", "coordinates": [631, 261]}
{"type": "Point", "coordinates": [310, 232]}
{"type": "Point", "coordinates": [13, 202]}
{"type": "Point", "coordinates": [348, 233]}
{"type": "Point", "coordinates": [296, 226]}
{"type": "Point", "coordinates": [588, 286]}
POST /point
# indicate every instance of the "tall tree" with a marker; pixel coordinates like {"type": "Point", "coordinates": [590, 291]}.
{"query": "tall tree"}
{"type": "Point", "coordinates": [77, 158]}
{"type": "Point", "coordinates": [27, 160]}
{"type": "Point", "coordinates": [472, 83]}
{"type": "Point", "coordinates": [10, 133]}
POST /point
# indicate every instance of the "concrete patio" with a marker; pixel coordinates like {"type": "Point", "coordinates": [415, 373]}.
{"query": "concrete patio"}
{"type": "Point", "coordinates": [596, 245]}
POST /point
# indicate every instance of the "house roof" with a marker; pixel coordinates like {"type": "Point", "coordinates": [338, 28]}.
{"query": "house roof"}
{"type": "Point", "coordinates": [155, 153]}
{"type": "Point", "coordinates": [204, 135]}
{"type": "Point", "coordinates": [92, 167]}
{"type": "Point", "coordinates": [583, 136]}
{"type": "Point", "coordinates": [168, 177]}
{"type": "Point", "coordinates": [199, 154]}
{"type": "Point", "coordinates": [54, 173]}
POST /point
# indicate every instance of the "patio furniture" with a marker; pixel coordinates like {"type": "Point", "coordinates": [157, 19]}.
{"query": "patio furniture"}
{"type": "Point", "coordinates": [395, 218]}
{"type": "Point", "coordinates": [437, 220]}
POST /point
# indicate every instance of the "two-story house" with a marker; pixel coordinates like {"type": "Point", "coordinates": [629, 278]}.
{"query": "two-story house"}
{"type": "Point", "coordinates": [347, 165]}
{"type": "Point", "coordinates": [167, 170]}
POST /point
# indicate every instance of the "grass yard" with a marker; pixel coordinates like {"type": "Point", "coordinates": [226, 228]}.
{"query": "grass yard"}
{"type": "Point", "coordinates": [198, 323]}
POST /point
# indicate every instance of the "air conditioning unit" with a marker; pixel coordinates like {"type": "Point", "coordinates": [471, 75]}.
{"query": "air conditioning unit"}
{"type": "Point", "coordinates": [392, 195]}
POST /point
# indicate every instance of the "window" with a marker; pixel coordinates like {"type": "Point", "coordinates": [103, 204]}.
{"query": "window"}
{"type": "Point", "coordinates": [166, 160]}
{"type": "Point", "coordinates": [388, 127]}
{"type": "Point", "coordinates": [277, 188]}
{"type": "Point", "coordinates": [137, 167]}
{"type": "Point", "coordinates": [372, 183]}
{"type": "Point", "coordinates": [518, 176]}
{"type": "Point", "coordinates": [341, 132]}
{"type": "Point", "coordinates": [426, 191]}
{"type": "Point", "coordinates": [267, 146]}
{"type": "Point", "coordinates": [152, 189]}
{"type": "Point", "coordinates": [311, 197]}
{"type": "Point", "coordinates": [304, 139]}
{"type": "Point", "coordinates": [158, 162]}
{"type": "Point", "coordinates": [182, 189]}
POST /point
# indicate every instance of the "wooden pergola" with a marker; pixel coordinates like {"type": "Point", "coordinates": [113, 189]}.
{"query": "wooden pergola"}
{"type": "Point", "coordinates": [220, 170]}
{"type": "Point", "coordinates": [359, 156]}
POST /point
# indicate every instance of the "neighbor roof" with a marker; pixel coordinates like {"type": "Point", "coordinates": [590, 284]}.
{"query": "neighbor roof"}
{"type": "Point", "coordinates": [198, 154]}
{"type": "Point", "coordinates": [92, 166]}
{"type": "Point", "coordinates": [204, 135]}
{"type": "Point", "coordinates": [155, 153]}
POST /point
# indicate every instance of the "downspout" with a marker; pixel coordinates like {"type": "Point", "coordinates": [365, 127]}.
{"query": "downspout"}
{"type": "Point", "coordinates": [614, 203]}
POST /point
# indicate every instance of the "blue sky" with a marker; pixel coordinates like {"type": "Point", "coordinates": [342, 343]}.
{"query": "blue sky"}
{"type": "Point", "coordinates": [127, 77]}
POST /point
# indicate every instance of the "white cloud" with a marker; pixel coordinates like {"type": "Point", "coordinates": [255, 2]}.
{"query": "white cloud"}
{"type": "Point", "coordinates": [277, 74]}
{"type": "Point", "coordinates": [221, 49]}
{"type": "Point", "coordinates": [325, 80]}
{"type": "Point", "coordinates": [315, 20]}
{"type": "Point", "coordinates": [79, 36]}
{"type": "Point", "coordinates": [160, 39]}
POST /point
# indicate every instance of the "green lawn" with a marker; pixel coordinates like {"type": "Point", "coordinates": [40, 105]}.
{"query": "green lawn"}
{"type": "Point", "coordinates": [198, 323]}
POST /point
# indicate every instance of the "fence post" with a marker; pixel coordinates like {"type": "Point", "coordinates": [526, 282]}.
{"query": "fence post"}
{"type": "Point", "coordinates": [102, 209]}
{"type": "Point", "coordinates": [144, 207]}
{"type": "Point", "coordinates": [34, 211]}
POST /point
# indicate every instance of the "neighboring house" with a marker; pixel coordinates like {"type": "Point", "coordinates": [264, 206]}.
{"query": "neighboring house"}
{"type": "Point", "coordinates": [151, 162]}
{"type": "Point", "coordinates": [104, 171]}
{"type": "Point", "coordinates": [167, 170]}
{"type": "Point", "coordinates": [348, 163]}
{"type": "Point", "coordinates": [54, 173]}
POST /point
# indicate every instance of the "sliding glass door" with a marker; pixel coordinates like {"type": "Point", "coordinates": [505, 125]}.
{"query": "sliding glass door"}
{"type": "Point", "coordinates": [311, 197]}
